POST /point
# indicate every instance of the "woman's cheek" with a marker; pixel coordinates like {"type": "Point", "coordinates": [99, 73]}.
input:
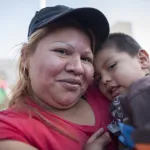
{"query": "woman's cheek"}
{"type": "Point", "coordinates": [89, 74]}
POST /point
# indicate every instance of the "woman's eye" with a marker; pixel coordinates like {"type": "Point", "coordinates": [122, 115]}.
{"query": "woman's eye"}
{"type": "Point", "coordinates": [62, 51]}
{"type": "Point", "coordinates": [111, 66]}
{"type": "Point", "coordinates": [87, 59]}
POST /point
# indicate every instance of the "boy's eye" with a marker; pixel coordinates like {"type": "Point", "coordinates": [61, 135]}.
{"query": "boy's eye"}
{"type": "Point", "coordinates": [111, 66]}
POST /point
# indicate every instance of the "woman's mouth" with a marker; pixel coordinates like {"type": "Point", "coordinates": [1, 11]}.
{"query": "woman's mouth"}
{"type": "Point", "coordinates": [71, 84]}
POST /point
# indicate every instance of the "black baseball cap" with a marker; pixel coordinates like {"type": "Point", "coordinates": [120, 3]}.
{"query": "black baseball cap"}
{"type": "Point", "coordinates": [90, 18]}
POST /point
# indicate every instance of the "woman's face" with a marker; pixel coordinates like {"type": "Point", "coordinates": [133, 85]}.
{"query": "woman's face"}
{"type": "Point", "coordinates": [61, 68]}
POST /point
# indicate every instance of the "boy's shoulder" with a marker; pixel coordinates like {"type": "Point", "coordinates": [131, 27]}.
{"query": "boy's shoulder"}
{"type": "Point", "coordinates": [137, 102]}
{"type": "Point", "coordinates": [139, 87]}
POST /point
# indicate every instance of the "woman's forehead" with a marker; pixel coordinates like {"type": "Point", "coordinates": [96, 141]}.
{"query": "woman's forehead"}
{"type": "Point", "coordinates": [70, 36]}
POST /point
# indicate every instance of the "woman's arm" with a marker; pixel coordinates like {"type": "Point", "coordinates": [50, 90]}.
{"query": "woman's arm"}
{"type": "Point", "coordinates": [15, 145]}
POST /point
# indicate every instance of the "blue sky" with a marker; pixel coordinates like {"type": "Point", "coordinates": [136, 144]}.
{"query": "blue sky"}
{"type": "Point", "coordinates": [15, 16]}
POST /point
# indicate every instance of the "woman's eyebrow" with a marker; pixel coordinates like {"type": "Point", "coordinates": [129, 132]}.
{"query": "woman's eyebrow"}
{"type": "Point", "coordinates": [64, 43]}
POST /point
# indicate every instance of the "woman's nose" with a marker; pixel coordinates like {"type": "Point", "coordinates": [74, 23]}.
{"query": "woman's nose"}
{"type": "Point", "coordinates": [75, 66]}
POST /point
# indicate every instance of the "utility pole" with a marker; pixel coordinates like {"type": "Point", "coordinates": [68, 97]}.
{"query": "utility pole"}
{"type": "Point", "coordinates": [42, 4]}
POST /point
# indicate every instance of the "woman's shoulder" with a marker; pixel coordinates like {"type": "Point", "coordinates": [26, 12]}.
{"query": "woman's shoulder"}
{"type": "Point", "coordinates": [10, 113]}
{"type": "Point", "coordinates": [20, 120]}
{"type": "Point", "coordinates": [15, 121]}
{"type": "Point", "coordinates": [21, 127]}
{"type": "Point", "coordinates": [13, 125]}
{"type": "Point", "coordinates": [18, 126]}
{"type": "Point", "coordinates": [13, 114]}
{"type": "Point", "coordinates": [11, 118]}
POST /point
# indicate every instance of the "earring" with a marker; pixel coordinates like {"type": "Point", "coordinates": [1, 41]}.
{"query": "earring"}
{"type": "Point", "coordinates": [24, 69]}
{"type": "Point", "coordinates": [26, 76]}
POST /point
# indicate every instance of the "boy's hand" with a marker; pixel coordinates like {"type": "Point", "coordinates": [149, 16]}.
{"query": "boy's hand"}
{"type": "Point", "coordinates": [98, 141]}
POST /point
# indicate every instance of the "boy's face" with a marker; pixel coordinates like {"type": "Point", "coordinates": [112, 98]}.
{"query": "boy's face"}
{"type": "Point", "coordinates": [116, 71]}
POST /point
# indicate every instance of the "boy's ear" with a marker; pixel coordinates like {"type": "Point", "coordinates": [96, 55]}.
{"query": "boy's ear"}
{"type": "Point", "coordinates": [143, 57]}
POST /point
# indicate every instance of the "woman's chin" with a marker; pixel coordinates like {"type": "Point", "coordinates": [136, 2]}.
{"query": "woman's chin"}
{"type": "Point", "coordinates": [66, 103]}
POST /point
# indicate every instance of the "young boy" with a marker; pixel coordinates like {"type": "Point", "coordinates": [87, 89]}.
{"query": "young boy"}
{"type": "Point", "coordinates": [121, 66]}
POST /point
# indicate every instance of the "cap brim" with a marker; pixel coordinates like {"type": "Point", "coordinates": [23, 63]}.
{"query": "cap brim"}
{"type": "Point", "coordinates": [90, 18]}
{"type": "Point", "coordinates": [95, 20]}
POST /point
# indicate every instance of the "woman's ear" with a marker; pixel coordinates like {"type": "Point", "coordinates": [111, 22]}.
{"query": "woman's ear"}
{"type": "Point", "coordinates": [24, 55]}
{"type": "Point", "coordinates": [143, 58]}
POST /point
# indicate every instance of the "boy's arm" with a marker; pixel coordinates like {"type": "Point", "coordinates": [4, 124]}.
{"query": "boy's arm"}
{"type": "Point", "coordinates": [139, 102]}
{"type": "Point", "coordinates": [137, 106]}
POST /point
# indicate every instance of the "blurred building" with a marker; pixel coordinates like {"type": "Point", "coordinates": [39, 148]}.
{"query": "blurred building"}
{"type": "Point", "coordinates": [124, 27]}
{"type": "Point", "coordinates": [8, 71]}
{"type": "Point", "coordinates": [7, 80]}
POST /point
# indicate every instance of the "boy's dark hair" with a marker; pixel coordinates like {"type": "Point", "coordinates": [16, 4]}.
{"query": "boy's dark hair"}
{"type": "Point", "coordinates": [123, 43]}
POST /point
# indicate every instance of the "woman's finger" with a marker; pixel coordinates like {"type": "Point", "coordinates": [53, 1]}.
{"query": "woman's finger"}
{"type": "Point", "coordinates": [96, 135]}
{"type": "Point", "coordinates": [104, 138]}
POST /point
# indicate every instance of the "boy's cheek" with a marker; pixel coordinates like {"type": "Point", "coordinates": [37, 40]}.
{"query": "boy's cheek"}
{"type": "Point", "coordinates": [123, 90]}
{"type": "Point", "coordinates": [107, 95]}
{"type": "Point", "coordinates": [104, 92]}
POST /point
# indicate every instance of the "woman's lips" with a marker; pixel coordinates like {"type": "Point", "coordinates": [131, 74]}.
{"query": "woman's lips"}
{"type": "Point", "coordinates": [71, 84]}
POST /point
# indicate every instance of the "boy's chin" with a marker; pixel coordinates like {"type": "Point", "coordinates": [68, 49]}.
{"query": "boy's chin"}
{"type": "Point", "coordinates": [110, 98]}
{"type": "Point", "coordinates": [121, 93]}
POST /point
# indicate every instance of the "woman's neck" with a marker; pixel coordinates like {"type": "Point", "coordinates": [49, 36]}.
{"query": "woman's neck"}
{"type": "Point", "coordinates": [74, 114]}
{"type": "Point", "coordinates": [59, 112]}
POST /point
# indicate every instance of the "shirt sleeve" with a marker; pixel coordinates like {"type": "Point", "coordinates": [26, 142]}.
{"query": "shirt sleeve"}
{"type": "Point", "coordinates": [139, 103]}
{"type": "Point", "coordinates": [142, 146]}
{"type": "Point", "coordinates": [10, 130]}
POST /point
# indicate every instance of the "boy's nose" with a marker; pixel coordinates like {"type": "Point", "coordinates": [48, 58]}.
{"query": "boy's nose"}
{"type": "Point", "coordinates": [106, 80]}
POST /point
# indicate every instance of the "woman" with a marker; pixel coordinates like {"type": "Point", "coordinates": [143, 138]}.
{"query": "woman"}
{"type": "Point", "coordinates": [48, 110]}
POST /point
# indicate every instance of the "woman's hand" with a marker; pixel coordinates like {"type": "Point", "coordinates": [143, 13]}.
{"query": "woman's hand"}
{"type": "Point", "coordinates": [98, 141]}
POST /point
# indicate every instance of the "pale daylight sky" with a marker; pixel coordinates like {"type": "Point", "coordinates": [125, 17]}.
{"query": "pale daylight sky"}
{"type": "Point", "coordinates": [15, 16]}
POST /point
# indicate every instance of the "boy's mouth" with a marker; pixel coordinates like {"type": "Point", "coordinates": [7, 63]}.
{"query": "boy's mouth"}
{"type": "Point", "coordinates": [114, 91]}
